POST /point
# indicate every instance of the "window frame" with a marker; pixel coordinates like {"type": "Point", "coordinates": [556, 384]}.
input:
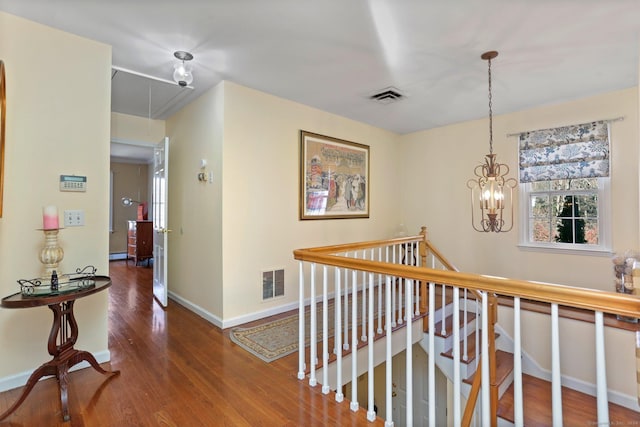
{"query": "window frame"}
{"type": "Point", "coordinates": [604, 223]}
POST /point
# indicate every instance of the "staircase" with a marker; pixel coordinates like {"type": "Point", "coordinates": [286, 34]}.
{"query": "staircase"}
{"type": "Point", "coordinates": [578, 407]}
{"type": "Point", "coordinates": [350, 268]}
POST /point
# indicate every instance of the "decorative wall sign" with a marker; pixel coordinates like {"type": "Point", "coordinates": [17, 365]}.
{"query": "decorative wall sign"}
{"type": "Point", "coordinates": [334, 178]}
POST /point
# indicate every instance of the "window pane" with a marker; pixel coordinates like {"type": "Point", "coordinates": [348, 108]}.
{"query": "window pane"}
{"type": "Point", "coordinates": [588, 205]}
{"type": "Point", "coordinates": [583, 184]}
{"type": "Point", "coordinates": [541, 229]}
{"type": "Point", "coordinates": [591, 231]}
{"type": "Point", "coordinates": [540, 186]}
{"type": "Point", "coordinates": [556, 205]}
{"type": "Point", "coordinates": [540, 206]}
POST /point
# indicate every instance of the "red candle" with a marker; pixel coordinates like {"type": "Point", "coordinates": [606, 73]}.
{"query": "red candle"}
{"type": "Point", "coordinates": [50, 218]}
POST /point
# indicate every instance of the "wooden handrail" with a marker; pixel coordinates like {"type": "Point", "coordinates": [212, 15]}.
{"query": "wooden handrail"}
{"type": "Point", "coordinates": [590, 299]}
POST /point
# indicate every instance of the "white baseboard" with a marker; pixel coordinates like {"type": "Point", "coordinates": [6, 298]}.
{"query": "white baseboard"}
{"type": "Point", "coordinates": [209, 317]}
{"type": "Point", "coordinates": [239, 320]}
{"type": "Point", "coordinates": [117, 256]}
{"type": "Point", "coordinates": [20, 379]}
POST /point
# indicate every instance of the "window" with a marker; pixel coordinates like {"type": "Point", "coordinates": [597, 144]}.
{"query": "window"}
{"type": "Point", "coordinates": [566, 214]}
{"type": "Point", "coordinates": [564, 187]}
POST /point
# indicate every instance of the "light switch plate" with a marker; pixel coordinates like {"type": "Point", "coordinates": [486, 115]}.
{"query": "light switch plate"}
{"type": "Point", "coordinates": [73, 218]}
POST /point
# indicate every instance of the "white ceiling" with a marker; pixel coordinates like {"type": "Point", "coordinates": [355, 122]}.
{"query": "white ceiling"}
{"type": "Point", "coordinates": [334, 54]}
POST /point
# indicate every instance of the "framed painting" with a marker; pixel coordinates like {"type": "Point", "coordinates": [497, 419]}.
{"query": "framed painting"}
{"type": "Point", "coordinates": [334, 178]}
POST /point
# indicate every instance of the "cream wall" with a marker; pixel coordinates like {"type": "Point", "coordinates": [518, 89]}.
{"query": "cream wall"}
{"type": "Point", "coordinates": [449, 154]}
{"type": "Point", "coordinates": [58, 101]}
{"type": "Point", "coordinates": [134, 129]}
{"type": "Point", "coordinates": [195, 208]}
{"type": "Point", "coordinates": [442, 160]}
{"type": "Point", "coordinates": [129, 180]}
{"type": "Point", "coordinates": [252, 141]}
{"type": "Point", "coordinates": [260, 193]}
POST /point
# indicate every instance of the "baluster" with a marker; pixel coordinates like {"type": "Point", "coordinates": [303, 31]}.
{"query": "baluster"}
{"type": "Point", "coordinates": [338, 338]}
{"type": "Point", "coordinates": [477, 332]}
{"type": "Point", "coordinates": [417, 297]}
{"type": "Point", "coordinates": [432, 360]}
{"type": "Point", "coordinates": [345, 345]}
{"type": "Point", "coordinates": [389, 367]}
{"type": "Point", "coordinates": [371, 414]}
{"type": "Point", "coordinates": [313, 331]}
{"type": "Point", "coordinates": [465, 344]}
{"type": "Point", "coordinates": [409, 354]}
{"type": "Point", "coordinates": [601, 372]}
{"type": "Point", "coordinates": [443, 329]}
{"type": "Point", "coordinates": [354, 342]}
{"type": "Point", "coordinates": [485, 384]}
{"type": "Point", "coordinates": [363, 338]}
{"type": "Point", "coordinates": [556, 383]}
{"type": "Point", "coordinates": [393, 288]}
{"type": "Point", "coordinates": [517, 366]}
{"type": "Point", "coordinates": [325, 331]}
{"type": "Point", "coordinates": [301, 346]}
{"type": "Point", "coordinates": [379, 294]}
{"type": "Point", "coordinates": [456, 356]}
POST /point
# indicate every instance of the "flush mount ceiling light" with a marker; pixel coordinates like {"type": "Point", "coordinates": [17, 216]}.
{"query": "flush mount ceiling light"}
{"type": "Point", "coordinates": [182, 74]}
{"type": "Point", "coordinates": [491, 185]}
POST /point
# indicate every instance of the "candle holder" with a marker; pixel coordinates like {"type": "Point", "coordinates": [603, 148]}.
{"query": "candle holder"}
{"type": "Point", "coordinates": [51, 254]}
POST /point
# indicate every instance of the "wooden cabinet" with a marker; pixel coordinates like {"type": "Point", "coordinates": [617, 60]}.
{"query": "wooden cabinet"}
{"type": "Point", "coordinates": [139, 241]}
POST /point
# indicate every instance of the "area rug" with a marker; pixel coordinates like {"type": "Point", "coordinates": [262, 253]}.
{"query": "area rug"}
{"type": "Point", "coordinates": [278, 338]}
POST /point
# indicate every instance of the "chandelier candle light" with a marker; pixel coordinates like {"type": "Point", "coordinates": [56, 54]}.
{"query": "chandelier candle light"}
{"type": "Point", "coordinates": [51, 254]}
{"type": "Point", "coordinates": [490, 185]}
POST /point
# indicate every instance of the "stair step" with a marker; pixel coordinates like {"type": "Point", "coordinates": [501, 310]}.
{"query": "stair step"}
{"type": "Point", "coordinates": [577, 408]}
{"type": "Point", "coordinates": [504, 367]}
{"type": "Point", "coordinates": [471, 349]}
{"type": "Point", "coordinates": [448, 324]}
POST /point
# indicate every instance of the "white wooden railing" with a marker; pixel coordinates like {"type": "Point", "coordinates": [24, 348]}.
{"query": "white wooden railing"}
{"type": "Point", "coordinates": [395, 282]}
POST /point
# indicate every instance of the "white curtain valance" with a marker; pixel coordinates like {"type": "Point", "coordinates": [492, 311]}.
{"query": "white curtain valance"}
{"type": "Point", "coordinates": [576, 151]}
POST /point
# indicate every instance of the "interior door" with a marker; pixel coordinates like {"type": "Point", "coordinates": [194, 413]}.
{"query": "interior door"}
{"type": "Point", "coordinates": [160, 220]}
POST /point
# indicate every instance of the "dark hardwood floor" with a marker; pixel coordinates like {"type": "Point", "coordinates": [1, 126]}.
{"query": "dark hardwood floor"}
{"type": "Point", "coordinates": [177, 370]}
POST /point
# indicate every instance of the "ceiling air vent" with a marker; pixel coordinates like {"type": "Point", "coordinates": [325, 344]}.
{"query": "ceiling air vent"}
{"type": "Point", "coordinates": [387, 96]}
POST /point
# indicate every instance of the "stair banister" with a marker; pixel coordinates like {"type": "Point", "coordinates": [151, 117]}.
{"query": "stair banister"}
{"type": "Point", "coordinates": [418, 278]}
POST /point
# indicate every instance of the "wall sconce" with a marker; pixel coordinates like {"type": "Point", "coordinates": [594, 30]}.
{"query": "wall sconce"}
{"type": "Point", "coordinates": [202, 176]}
{"type": "Point", "coordinates": [128, 201]}
{"type": "Point", "coordinates": [143, 212]}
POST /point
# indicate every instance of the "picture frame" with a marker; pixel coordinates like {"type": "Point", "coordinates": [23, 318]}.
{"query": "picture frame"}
{"type": "Point", "coordinates": [334, 178]}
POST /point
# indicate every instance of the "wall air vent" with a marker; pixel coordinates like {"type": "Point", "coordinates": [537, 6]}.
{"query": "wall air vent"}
{"type": "Point", "coordinates": [272, 283]}
{"type": "Point", "coordinates": [387, 95]}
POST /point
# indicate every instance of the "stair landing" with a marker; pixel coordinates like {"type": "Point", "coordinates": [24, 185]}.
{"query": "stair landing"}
{"type": "Point", "coordinates": [578, 409]}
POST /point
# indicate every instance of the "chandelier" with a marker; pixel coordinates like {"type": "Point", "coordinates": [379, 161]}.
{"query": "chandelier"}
{"type": "Point", "coordinates": [182, 73]}
{"type": "Point", "coordinates": [491, 185]}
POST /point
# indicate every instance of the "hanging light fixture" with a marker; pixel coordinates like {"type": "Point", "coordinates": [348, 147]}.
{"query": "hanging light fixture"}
{"type": "Point", "coordinates": [182, 70]}
{"type": "Point", "coordinates": [491, 190]}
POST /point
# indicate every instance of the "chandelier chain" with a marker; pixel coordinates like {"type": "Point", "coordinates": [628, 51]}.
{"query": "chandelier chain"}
{"type": "Point", "coordinates": [490, 113]}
